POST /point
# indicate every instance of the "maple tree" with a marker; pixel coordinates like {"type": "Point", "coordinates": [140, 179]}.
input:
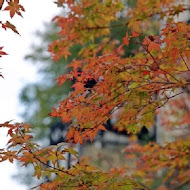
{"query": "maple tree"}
{"type": "Point", "coordinates": [131, 89]}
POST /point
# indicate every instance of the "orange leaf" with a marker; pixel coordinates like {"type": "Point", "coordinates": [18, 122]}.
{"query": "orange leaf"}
{"type": "Point", "coordinates": [102, 128]}
{"type": "Point", "coordinates": [153, 46]}
{"type": "Point", "coordinates": [78, 138]}
{"type": "Point", "coordinates": [135, 34]}
{"type": "Point", "coordinates": [70, 133]}
{"type": "Point", "coordinates": [78, 86]}
{"type": "Point", "coordinates": [54, 112]}
{"type": "Point", "coordinates": [126, 40]}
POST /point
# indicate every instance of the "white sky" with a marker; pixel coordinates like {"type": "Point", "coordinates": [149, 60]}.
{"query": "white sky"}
{"type": "Point", "coordinates": [17, 72]}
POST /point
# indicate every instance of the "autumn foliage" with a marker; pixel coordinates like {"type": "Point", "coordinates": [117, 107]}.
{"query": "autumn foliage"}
{"type": "Point", "coordinates": [130, 88]}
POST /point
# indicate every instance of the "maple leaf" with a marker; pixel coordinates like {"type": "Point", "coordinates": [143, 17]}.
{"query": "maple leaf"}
{"type": "Point", "coordinates": [10, 26]}
{"type": "Point", "coordinates": [65, 117]}
{"type": "Point", "coordinates": [126, 39]}
{"type": "Point", "coordinates": [79, 87]}
{"type": "Point", "coordinates": [59, 3]}
{"type": "Point", "coordinates": [38, 171]}
{"type": "Point", "coordinates": [61, 80]}
{"type": "Point", "coordinates": [2, 52]}
{"type": "Point", "coordinates": [78, 138]}
{"type": "Point", "coordinates": [14, 7]}
{"type": "Point", "coordinates": [146, 73]}
{"type": "Point", "coordinates": [135, 34]}
{"type": "Point", "coordinates": [71, 151]}
{"type": "Point", "coordinates": [54, 112]}
{"type": "Point", "coordinates": [70, 133]}
{"type": "Point", "coordinates": [153, 46]}
{"type": "Point", "coordinates": [53, 158]}
{"type": "Point", "coordinates": [101, 127]}
{"type": "Point", "coordinates": [1, 4]}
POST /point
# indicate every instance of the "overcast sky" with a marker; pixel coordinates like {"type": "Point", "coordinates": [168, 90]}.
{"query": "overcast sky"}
{"type": "Point", "coordinates": [18, 72]}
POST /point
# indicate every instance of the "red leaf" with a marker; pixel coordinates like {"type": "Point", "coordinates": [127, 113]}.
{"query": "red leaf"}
{"type": "Point", "coordinates": [2, 52]}
{"type": "Point", "coordinates": [146, 73]}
